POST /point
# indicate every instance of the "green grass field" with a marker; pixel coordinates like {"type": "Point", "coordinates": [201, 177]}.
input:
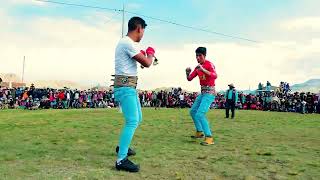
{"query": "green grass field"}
{"type": "Point", "coordinates": [80, 144]}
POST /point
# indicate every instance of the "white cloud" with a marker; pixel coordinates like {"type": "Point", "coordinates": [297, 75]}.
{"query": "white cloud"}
{"type": "Point", "coordinates": [303, 23]}
{"type": "Point", "coordinates": [133, 6]}
{"type": "Point", "coordinates": [33, 2]}
{"type": "Point", "coordinates": [68, 49]}
{"type": "Point", "coordinates": [245, 66]}
{"type": "Point", "coordinates": [59, 49]}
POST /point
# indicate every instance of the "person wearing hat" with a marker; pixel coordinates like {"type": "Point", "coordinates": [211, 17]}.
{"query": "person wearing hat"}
{"type": "Point", "coordinates": [231, 100]}
{"type": "Point", "coordinates": [207, 75]}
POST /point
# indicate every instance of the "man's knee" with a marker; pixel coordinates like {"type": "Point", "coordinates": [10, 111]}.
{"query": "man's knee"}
{"type": "Point", "coordinates": [132, 122]}
{"type": "Point", "coordinates": [199, 115]}
{"type": "Point", "coordinates": [192, 112]}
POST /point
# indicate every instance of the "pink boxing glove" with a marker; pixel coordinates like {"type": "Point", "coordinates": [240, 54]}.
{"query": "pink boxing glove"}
{"type": "Point", "coordinates": [143, 52]}
{"type": "Point", "coordinates": [150, 51]}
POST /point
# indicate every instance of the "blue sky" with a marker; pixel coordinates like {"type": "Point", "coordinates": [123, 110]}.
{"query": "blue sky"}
{"type": "Point", "coordinates": [287, 29]}
{"type": "Point", "coordinates": [243, 18]}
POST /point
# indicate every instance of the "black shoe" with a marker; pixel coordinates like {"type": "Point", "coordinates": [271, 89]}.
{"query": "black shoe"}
{"type": "Point", "coordinates": [131, 152]}
{"type": "Point", "coordinates": [126, 165]}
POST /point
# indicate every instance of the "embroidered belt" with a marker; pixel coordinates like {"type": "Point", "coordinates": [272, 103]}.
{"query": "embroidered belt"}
{"type": "Point", "coordinates": [125, 81]}
{"type": "Point", "coordinates": [208, 90]}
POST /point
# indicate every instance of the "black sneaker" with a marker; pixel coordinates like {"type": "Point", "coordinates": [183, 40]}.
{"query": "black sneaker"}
{"type": "Point", "coordinates": [131, 152]}
{"type": "Point", "coordinates": [126, 165]}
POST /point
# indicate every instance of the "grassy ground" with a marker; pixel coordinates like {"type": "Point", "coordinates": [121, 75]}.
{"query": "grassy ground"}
{"type": "Point", "coordinates": [80, 144]}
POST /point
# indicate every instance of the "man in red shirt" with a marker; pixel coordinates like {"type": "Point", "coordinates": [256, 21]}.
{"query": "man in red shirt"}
{"type": "Point", "coordinates": [207, 75]}
{"type": "Point", "coordinates": [61, 95]}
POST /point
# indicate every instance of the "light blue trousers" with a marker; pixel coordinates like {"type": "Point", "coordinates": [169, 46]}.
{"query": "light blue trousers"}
{"type": "Point", "coordinates": [198, 113]}
{"type": "Point", "coordinates": [131, 109]}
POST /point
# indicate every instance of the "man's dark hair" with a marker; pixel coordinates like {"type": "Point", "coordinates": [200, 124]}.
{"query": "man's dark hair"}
{"type": "Point", "coordinates": [134, 22]}
{"type": "Point", "coordinates": [201, 50]}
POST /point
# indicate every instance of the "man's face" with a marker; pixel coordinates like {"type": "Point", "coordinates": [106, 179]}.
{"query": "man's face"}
{"type": "Point", "coordinates": [200, 58]}
{"type": "Point", "coordinates": [140, 33]}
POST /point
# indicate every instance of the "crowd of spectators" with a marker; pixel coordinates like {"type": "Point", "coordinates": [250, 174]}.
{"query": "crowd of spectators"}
{"type": "Point", "coordinates": [280, 99]}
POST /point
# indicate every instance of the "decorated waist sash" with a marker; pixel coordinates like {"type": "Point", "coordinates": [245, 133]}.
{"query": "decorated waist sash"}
{"type": "Point", "coordinates": [125, 81]}
{"type": "Point", "coordinates": [208, 90]}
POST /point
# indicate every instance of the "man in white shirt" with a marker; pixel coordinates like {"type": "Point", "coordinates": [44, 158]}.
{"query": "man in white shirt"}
{"type": "Point", "coordinates": [181, 98]}
{"type": "Point", "coordinates": [126, 57]}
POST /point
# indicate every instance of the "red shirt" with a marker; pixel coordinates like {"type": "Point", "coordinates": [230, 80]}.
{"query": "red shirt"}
{"type": "Point", "coordinates": [61, 95]}
{"type": "Point", "coordinates": [205, 80]}
{"type": "Point", "coordinates": [51, 98]}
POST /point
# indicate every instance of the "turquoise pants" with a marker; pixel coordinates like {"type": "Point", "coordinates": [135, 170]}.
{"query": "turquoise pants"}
{"type": "Point", "coordinates": [131, 109]}
{"type": "Point", "coordinates": [198, 113]}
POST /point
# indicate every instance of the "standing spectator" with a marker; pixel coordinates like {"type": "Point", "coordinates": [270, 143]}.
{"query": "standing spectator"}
{"type": "Point", "coordinates": [68, 96]}
{"type": "Point", "coordinates": [268, 86]}
{"type": "Point", "coordinates": [260, 86]}
{"type": "Point", "coordinates": [154, 99]}
{"type": "Point", "coordinates": [181, 98]}
{"type": "Point", "coordinates": [159, 100]}
{"type": "Point", "coordinates": [310, 103]}
{"type": "Point", "coordinates": [231, 100]}
{"type": "Point", "coordinates": [318, 103]}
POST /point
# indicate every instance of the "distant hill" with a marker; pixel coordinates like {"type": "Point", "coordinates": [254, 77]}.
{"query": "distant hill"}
{"type": "Point", "coordinates": [10, 77]}
{"type": "Point", "coordinates": [312, 85]}
{"type": "Point", "coordinates": [58, 84]}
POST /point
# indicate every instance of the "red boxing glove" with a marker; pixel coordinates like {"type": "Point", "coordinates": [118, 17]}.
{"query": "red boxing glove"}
{"type": "Point", "coordinates": [143, 52]}
{"type": "Point", "coordinates": [150, 51]}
